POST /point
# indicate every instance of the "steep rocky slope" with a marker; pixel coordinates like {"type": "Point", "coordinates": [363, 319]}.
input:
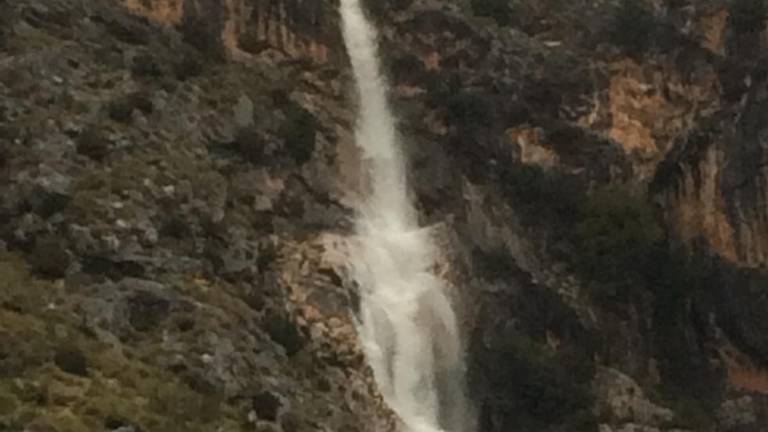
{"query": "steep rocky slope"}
{"type": "Point", "coordinates": [177, 179]}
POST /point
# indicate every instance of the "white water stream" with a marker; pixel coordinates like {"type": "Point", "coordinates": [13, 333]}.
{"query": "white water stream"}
{"type": "Point", "coordinates": [407, 326]}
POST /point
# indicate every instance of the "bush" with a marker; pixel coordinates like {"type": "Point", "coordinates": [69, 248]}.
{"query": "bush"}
{"type": "Point", "coordinates": [468, 109]}
{"type": "Point", "coordinates": [50, 257]}
{"type": "Point", "coordinates": [201, 33]}
{"type": "Point", "coordinates": [298, 130]}
{"type": "Point", "coordinates": [187, 67]}
{"type": "Point", "coordinates": [121, 110]}
{"type": "Point", "coordinates": [613, 236]}
{"type": "Point", "coordinates": [19, 292]}
{"type": "Point", "coordinates": [496, 264]}
{"type": "Point", "coordinates": [145, 65]}
{"type": "Point", "coordinates": [250, 144]}
{"type": "Point", "coordinates": [377, 10]}
{"type": "Point", "coordinates": [530, 387]}
{"type": "Point", "coordinates": [408, 69]}
{"type": "Point", "coordinates": [285, 332]}
{"type": "Point", "coordinates": [544, 196]}
{"type": "Point", "coordinates": [619, 231]}
{"type": "Point", "coordinates": [633, 27]}
{"type": "Point", "coordinates": [502, 11]}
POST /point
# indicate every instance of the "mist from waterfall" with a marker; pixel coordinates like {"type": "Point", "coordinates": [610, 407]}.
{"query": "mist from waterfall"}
{"type": "Point", "coordinates": [407, 327]}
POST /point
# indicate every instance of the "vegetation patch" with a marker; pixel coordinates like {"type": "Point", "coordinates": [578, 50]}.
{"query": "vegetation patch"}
{"type": "Point", "coordinates": [533, 389]}
{"type": "Point", "coordinates": [468, 109]}
{"type": "Point", "coordinates": [617, 233]}
{"type": "Point", "coordinates": [502, 11]}
{"type": "Point", "coordinates": [543, 196]}
{"type": "Point", "coordinates": [121, 109]}
{"type": "Point", "coordinates": [299, 132]}
{"type": "Point", "coordinates": [633, 27]}
{"type": "Point", "coordinates": [58, 376]}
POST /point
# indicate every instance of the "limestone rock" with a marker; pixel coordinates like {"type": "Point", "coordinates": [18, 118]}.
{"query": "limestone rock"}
{"type": "Point", "coordinates": [622, 399]}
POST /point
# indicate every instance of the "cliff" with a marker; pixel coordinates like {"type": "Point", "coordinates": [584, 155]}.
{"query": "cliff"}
{"type": "Point", "coordinates": [177, 180]}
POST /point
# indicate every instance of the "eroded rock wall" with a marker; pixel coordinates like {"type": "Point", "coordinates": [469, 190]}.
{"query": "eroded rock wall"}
{"type": "Point", "coordinates": [289, 29]}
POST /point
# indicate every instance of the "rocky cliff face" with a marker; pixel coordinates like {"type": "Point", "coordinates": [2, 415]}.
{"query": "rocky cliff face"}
{"type": "Point", "coordinates": [177, 179]}
{"type": "Point", "coordinates": [287, 30]}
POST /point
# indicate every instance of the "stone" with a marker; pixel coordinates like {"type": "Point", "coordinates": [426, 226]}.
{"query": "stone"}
{"type": "Point", "coordinates": [243, 112]}
{"type": "Point", "coordinates": [622, 398]}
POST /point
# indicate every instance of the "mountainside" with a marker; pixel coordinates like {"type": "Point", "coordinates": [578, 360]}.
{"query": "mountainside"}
{"type": "Point", "coordinates": [177, 180]}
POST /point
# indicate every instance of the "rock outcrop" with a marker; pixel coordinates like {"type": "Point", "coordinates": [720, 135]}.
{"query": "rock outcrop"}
{"type": "Point", "coordinates": [286, 29]}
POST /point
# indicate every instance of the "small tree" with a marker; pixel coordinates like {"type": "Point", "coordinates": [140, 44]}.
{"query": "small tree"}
{"type": "Point", "coordinates": [299, 131]}
{"type": "Point", "coordinates": [469, 109]}
{"type": "Point", "coordinates": [618, 233]}
{"type": "Point", "coordinates": [502, 11]}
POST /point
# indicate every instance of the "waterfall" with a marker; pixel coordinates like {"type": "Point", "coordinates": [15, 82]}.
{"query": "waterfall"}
{"type": "Point", "coordinates": [407, 327]}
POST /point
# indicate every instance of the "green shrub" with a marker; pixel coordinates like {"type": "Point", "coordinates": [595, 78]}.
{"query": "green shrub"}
{"type": "Point", "coordinates": [202, 34]}
{"type": "Point", "coordinates": [299, 132]}
{"type": "Point", "coordinates": [495, 264]}
{"type": "Point", "coordinates": [502, 11]}
{"type": "Point", "coordinates": [633, 27]}
{"type": "Point", "coordinates": [613, 236]}
{"type": "Point", "coordinates": [468, 109]}
{"type": "Point", "coordinates": [378, 10]}
{"type": "Point", "coordinates": [407, 68]}
{"type": "Point", "coordinates": [619, 231]}
{"type": "Point", "coordinates": [121, 110]}
{"type": "Point", "coordinates": [250, 144]}
{"type": "Point", "coordinates": [543, 196]}
{"type": "Point", "coordinates": [539, 388]}
{"type": "Point", "coordinates": [50, 257]}
{"type": "Point", "coordinates": [18, 290]}
{"type": "Point", "coordinates": [146, 66]}
{"type": "Point", "coordinates": [284, 331]}
{"type": "Point", "coordinates": [189, 66]}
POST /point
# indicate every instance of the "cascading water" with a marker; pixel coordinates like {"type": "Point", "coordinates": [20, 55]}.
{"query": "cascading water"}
{"type": "Point", "coordinates": [407, 327]}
